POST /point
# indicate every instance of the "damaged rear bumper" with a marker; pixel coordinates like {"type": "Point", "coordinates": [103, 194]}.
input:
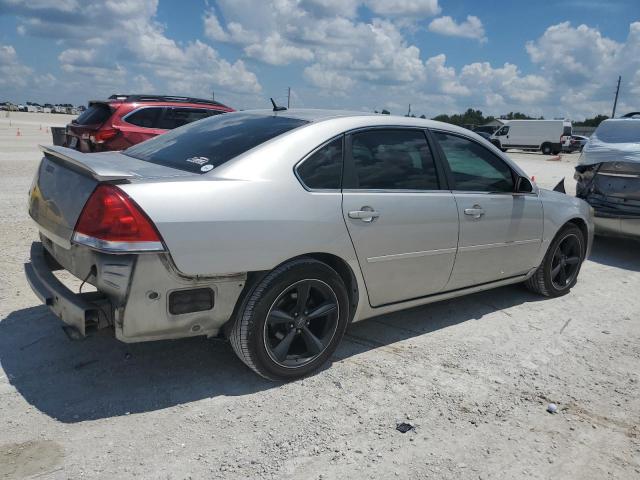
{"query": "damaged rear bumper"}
{"type": "Point", "coordinates": [77, 310]}
{"type": "Point", "coordinates": [143, 297]}
{"type": "Point", "coordinates": [613, 190]}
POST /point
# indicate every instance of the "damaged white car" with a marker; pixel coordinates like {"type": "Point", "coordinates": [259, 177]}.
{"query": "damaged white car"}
{"type": "Point", "coordinates": [608, 176]}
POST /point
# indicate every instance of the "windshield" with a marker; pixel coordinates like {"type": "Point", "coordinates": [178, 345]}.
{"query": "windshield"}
{"type": "Point", "coordinates": [201, 146]}
{"type": "Point", "coordinates": [622, 131]}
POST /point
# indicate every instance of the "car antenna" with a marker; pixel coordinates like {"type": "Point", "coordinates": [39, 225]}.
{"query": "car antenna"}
{"type": "Point", "coordinates": [276, 108]}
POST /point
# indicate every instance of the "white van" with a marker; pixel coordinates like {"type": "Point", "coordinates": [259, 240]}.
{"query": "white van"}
{"type": "Point", "coordinates": [544, 135]}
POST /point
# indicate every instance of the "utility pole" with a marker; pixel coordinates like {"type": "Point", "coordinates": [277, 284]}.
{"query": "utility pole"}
{"type": "Point", "coordinates": [615, 102]}
{"type": "Point", "coordinates": [213, 95]}
{"type": "Point", "coordinates": [288, 97]}
{"type": "Point", "coordinates": [409, 111]}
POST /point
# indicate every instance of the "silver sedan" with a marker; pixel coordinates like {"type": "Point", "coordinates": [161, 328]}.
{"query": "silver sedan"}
{"type": "Point", "coordinates": [277, 229]}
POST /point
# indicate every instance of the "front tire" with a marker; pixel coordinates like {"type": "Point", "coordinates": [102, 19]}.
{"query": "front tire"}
{"type": "Point", "coordinates": [293, 319]}
{"type": "Point", "coordinates": [559, 270]}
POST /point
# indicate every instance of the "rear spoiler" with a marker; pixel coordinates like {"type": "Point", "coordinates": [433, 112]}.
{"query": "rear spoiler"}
{"type": "Point", "coordinates": [100, 168]}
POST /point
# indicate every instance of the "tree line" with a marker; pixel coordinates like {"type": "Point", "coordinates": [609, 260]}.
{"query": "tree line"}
{"type": "Point", "coordinates": [476, 117]}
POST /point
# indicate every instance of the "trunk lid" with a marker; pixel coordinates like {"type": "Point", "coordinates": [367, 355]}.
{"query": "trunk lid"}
{"type": "Point", "coordinates": [66, 179]}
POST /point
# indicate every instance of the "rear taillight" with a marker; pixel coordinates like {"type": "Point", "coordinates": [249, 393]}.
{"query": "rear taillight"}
{"type": "Point", "coordinates": [103, 135]}
{"type": "Point", "coordinates": [111, 221]}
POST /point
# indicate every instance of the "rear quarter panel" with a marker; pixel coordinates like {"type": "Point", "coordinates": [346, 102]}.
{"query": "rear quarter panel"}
{"type": "Point", "coordinates": [250, 214]}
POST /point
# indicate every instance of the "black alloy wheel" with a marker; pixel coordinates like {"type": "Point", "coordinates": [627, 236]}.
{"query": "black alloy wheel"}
{"type": "Point", "coordinates": [291, 320]}
{"type": "Point", "coordinates": [566, 262]}
{"type": "Point", "coordinates": [301, 323]}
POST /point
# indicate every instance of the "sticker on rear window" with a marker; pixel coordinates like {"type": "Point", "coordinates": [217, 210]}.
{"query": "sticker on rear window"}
{"type": "Point", "coordinates": [198, 160]}
{"type": "Point", "coordinates": [206, 168]}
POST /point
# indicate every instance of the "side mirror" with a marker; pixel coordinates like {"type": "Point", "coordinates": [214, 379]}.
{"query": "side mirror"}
{"type": "Point", "coordinates": [523, 185]}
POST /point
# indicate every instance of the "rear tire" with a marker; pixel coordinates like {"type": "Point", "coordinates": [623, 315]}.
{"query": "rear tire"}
{"type": "Point", "coordinates": [560, 267]}
{"type": "Point", "coordinates": [292, 321]}
{"type": "Point", "coordinates": [546, 149]}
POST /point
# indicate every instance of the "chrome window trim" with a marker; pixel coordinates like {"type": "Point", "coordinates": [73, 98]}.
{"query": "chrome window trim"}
{"type": "Point", "coordinates": [392, 190]}
{"type": "Point", "coordinates": [145, 107]}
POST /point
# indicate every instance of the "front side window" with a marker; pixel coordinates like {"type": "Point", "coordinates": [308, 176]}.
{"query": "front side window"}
{"type": "Point", "coordinates": [393, 160]}
{"type": "Point", "coordinates": [323, 168]}
{"type": "Point", "coordinates": [201, 146]}
{"type": "Point", "coordinates": [502, 131]}
{"type": "Point", "coordinates": [146, 117]}
{"type": "Point", "coordinates": [474, 168]}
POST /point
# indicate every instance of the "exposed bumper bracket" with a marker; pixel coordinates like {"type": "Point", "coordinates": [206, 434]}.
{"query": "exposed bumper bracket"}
{"type": "Point", "coordinates": [78, 310]}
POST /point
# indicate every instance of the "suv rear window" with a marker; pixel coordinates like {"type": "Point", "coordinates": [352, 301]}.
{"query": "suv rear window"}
{"type": "Point", "coordinates": [96, 114]}
{"type": "Point", "coordinates": [201, 146]}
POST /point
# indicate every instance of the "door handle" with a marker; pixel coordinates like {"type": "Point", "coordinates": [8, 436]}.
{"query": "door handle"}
{"type": "Point", "coordinates": [476, 212]}
{"type": "Point", "coordinates": [366, 214]}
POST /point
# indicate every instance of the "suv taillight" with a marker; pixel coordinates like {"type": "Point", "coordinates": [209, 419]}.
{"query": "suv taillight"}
{"type": "Point", "coordinates": [102, 136]}
{"type": "Point", "coordinates": [112, 222]}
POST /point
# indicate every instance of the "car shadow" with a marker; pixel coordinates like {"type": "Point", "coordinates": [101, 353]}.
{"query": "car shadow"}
{"type": "Point", "coordinates": [100, 377]}
{"type": "Point", "coordinates": [616, 252]}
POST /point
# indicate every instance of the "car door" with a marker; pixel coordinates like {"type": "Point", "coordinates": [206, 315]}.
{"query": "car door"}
{"type": "Point", "coordinates": [403, 225]}
{"type": "Point", "coordinates": [500, 230]}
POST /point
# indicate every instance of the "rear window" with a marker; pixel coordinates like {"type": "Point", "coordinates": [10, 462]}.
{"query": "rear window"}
{"type": "Point", "coordinates": [618, 131]}
{"type": "Point", "coordinates": [201, 146]}
{"type": "Point", "coordinates": [96, 114]}
{"type": "Point", "coordinates": [566, 130]}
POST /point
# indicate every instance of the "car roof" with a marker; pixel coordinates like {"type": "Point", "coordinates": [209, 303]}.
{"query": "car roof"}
{"type": "Point", "coordinates": [361, 118]}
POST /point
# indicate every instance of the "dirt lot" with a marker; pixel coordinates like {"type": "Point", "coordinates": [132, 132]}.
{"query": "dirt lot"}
{"type": "Point", "coordinates": [473, 375]}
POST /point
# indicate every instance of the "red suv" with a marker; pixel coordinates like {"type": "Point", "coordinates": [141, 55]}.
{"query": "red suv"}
{"type": "Point", "coordinates": [125, 120]}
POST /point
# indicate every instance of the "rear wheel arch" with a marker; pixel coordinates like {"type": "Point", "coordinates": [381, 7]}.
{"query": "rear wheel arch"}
{"type": "Point", "coordinates": [338, 264]}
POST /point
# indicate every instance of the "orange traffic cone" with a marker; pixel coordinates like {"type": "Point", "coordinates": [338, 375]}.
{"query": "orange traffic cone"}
{"type": "Point", "coordinates": [18, 134]}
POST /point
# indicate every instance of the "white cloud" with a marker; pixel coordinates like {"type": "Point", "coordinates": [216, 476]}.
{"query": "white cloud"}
{"type": "Point", "coordinates": [471, 28]}
{"type": "Point", "coordinates": [12, 72]}
{"type": "Point", "coordinates": [129, 45]}
{"type": "Point", "coordinates": [404, 8]}
{"type": "Point", "coordinates": [274, 50]}
{"type": "Point", "coordinates": [583, 65]}
{"type": "Point", "coordinates": [329, 80]}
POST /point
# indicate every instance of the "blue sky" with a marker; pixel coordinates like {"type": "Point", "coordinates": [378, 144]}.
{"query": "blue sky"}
{"type": "Point", "coordinates": [546, 58]}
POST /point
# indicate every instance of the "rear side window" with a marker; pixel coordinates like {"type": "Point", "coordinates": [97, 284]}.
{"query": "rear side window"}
{"type": "Point", "coordinates": [175, 117]}
{"type": "Point", "coordinates": [201, 146]}
{"type": "Point", "coordinates": [323, 168]}
{"type": "Point", "coordinates": [393, 160]}
{"type": "Point", "coordinates": [474, 168]}
{"type": "Point", "coordinates": [96, 114]}
{"type": "Point", "coordinates": [146, 117]}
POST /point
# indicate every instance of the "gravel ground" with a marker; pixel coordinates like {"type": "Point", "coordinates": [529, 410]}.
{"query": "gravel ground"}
{"type": "Point", "coordinates": [473, 376]}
